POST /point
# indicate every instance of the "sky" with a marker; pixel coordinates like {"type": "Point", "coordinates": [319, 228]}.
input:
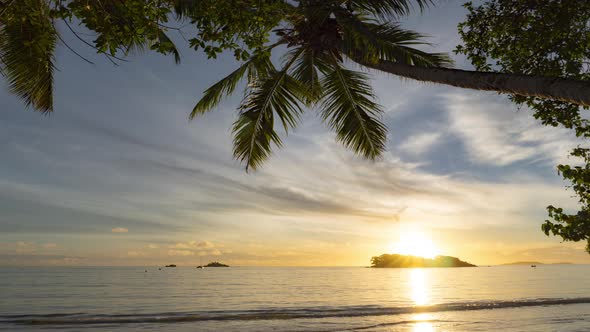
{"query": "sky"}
{"type": "Point", "coordinates": [118, 175]}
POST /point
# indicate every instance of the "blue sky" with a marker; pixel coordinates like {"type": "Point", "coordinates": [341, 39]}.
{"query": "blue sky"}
{"type": "Point", "coordinates": [118, 175]}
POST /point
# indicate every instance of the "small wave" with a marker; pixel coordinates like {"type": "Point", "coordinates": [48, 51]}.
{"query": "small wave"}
{"type": "Point", "coordinates": [282, 313]}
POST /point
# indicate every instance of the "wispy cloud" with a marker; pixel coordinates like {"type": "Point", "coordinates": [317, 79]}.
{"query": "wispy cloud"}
{"type": "Point", "coordinates": [119, 230]}
{"type": "Point", "coordinates": [180, 252]}
{"type": "Point", "coordinates": [193, 245]}
{"type": "Point", "coordinates": [420, 143]}
{"type": "Point", "coordinates": [495, 133]}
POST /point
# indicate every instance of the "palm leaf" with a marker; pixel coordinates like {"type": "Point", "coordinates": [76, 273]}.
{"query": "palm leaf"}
{"type": "Point", "coordinates": [256, 67]}
{"type": "Point", "coordinates": [185, 8]}
{"type": "Point", "coordinates": [27, 45]}
{"type": "Point", "coordinates": [387, 8]}
{"type": "Point", "coordinates": [278, 94]}
{"type": "Point", "coordinates": [370, 41]}
{"type": "Point", "coordinates": [164, 40]}
{"type": "Point", "coordinates": [305, 70]}
{"type": "Point", "coordinates": [349, 109]}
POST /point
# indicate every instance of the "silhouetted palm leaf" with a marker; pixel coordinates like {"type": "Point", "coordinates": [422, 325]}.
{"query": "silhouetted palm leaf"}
{"type": "Point", "coordinates": [349, 109]}
{"type": "Point", "coordinates": [374, 41]}
{"type": "Point", "coordinates": [387, 8]}
{"type": "Point", "coordinates": [307, 70]}
{"type": "Point", "coordinates": [255, 68]}
{"type": "Point", "coordinates": [278, 94]}
{"type": "Point", "coordinates": [164, 39]}
{"type": "Point", "coordinates": [27, 44]}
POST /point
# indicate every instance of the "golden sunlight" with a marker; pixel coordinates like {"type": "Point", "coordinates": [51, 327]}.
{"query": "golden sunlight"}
{"type": "Point", "coordinates": [423, 323]}
{"type": "Point", "coordinates": [415, 243]}
{"type": "Point", "coordinates": [419, 287]}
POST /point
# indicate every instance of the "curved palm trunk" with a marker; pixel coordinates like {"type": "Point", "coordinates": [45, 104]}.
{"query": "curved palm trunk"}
{"type": "Point", "coordinates": [568, 90]}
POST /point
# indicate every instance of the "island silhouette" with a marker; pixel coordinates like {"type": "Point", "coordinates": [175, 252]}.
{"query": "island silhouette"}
{"type": "Point", "coordinates": [536, 263]}
{"type": "Point", "coordinates": [212, 264]}
{"type": "Point", "coordinates": [407, 261]}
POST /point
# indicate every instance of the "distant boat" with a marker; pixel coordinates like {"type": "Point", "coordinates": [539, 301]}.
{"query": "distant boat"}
{"type": "Point", "coordinates": [199, 267]}
{"type": "Point", "coordinates": [533, 265]}
{"type": "Point", "coordinates": [171, 265]}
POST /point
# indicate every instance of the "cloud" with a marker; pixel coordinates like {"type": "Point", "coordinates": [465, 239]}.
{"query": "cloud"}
{"type": "Point", "coordinates": [193, 245]}
{"type": "Point", "coordinates": [153, 246]}
{"type": "Point", "coordinates": [119, 230]}
{"type": "Point", "coordinates": [420, 143]}
{"type": "Point", "coordinates": [495, 133]}
{"type": "Point", "coordinates": [180, 253]}
{"type": "Point", "coordinates": [135, 253]}
{"type": "Point", "coordinates": [50, 245]}
{"type": "Point", "coordinates": [25, 247]}
{"type": "Point", "coordinates": [70, 211]}
{"type": "Point", "coordinates": [215, 252]}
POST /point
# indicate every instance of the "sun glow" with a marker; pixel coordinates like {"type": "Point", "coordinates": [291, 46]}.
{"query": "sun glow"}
{"type": "Point", "coordinates": [415, 243]}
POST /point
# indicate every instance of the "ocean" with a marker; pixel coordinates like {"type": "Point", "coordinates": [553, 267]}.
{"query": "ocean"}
{"type": "Point", "coordinates": [509, 298]}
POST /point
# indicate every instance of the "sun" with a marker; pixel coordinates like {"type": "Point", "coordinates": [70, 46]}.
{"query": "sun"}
{"type": "Point", "coordinates": [415, 243]}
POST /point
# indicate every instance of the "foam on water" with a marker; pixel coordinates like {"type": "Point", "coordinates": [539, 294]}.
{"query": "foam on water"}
{"type": "Point", "coordinates": [284, 313]}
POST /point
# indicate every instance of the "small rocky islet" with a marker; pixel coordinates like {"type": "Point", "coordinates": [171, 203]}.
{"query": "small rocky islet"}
{"type": "Point", "coordinates": [408, 261]}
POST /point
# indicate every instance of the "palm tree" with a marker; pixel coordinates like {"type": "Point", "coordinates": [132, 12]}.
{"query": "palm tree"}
{"type": "Point", "coordinates": [320, 37]}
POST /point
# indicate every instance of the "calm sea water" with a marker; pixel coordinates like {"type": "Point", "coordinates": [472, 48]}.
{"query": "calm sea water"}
{"type": "Point", "coordinates": [513, 298]}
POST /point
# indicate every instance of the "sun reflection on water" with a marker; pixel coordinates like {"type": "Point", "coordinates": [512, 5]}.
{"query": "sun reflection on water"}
{"type": "Point", "coordinates": [419, 287]}
{"type": "Point", "coordinates": [423, 323]}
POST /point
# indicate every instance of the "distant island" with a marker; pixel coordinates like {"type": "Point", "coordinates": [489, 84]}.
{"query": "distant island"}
{"type": "Point", "coordinates": [406, 261]}
{"type": "Point", "coordinates": [535, 263]}
{"type": "Point", "coordinates": [213, 264]}
{"type": "Point", "coordinates": [171, 265]}
{"type": "Point", "coordinates": [524, 263]}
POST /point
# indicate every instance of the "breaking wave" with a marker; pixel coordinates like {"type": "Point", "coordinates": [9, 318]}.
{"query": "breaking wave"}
{"type": "Point", "coordinates": [268, 314]}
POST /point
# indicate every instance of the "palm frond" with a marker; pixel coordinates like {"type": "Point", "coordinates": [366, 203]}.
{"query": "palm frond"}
{"type": "Point", "coordinates": [349, 109]}
{"type": "Point", "coordinates": [27, 44]}
{"type": "Point", "coordinates": [168, 44]}
{"type": "Point", "coordinates": [255, 68]}
{"type": "Point", "coordinates": [307, 69]}
{"type": "Point", "coordinates": [278, 94]}
{"type": "Point", "coordinates": [386, 41]}
{"type": "Point", "coordinates": [387, 9]}
{"type": "Point", "coordinates": [185, 8]}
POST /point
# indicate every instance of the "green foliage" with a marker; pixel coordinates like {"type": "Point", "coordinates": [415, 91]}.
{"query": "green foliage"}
{"type": "Point", "coordinates": [236, 25]}
{"type": "Point", "coordinates": [27, 43]}
{"type": "Point", "coordinates": [385, 8]}
{"type": "Point", "coordinates": [542, 37]}
{"type": "Point", "coordinates": [386, 41]}
{"type": "Point", "coordinates": [349, 110]}
{"type": "Point", "coordinates": [28, 33]}
{"type": "Point", "coordinates": [278, 94]}
{"type": "Point", "coordinates": [256, 67]}
{"type": "Point", "coordinates": [573, 227]}
{"type": "Point", "coordinates": [121, 26]}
